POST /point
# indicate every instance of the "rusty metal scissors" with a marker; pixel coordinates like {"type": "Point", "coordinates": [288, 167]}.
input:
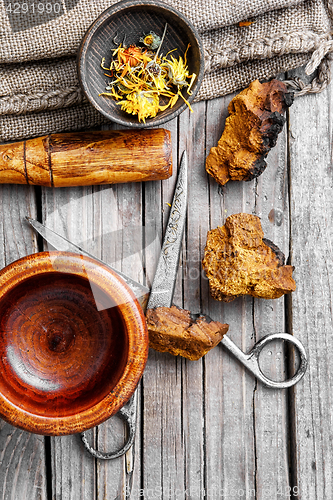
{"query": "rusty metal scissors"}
{"type": "Point", "coordinates": [161, 294]}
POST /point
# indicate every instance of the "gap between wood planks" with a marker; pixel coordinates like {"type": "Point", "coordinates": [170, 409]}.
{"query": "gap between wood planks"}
{"type": "Point", "coordinates": [47, 439]}
{"type": "Point", "coordinates": [293, 480]}
{"type": "Point", "coordinates": [290, 400]}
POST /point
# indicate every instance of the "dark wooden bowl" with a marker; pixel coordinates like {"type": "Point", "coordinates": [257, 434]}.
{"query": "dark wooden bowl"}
{"type": "Point", "coordinates": [129, 20]}
{"type": "Point", "coordinates": [73, 343]}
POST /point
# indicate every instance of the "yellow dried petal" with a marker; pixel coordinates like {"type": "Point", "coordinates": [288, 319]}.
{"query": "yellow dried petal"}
{"type": "Point", "coordinates": [193, 77]}
{"type": "Point", "coordinates": [173, 100]}
{"type": "Point", "coordinates": [140, 77]}
{"type": "Point", "coordinates": [189, 105]}
{"type": "Point", "coordinates": [145, 106]}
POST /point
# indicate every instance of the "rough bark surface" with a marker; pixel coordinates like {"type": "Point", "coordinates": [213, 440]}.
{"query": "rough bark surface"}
{"type": "Point", "coordinates": [238, 260]}
{"type": "Point", "coordinates": [173, 330]}
{"type": "Point", "coordinates": [251, 130]}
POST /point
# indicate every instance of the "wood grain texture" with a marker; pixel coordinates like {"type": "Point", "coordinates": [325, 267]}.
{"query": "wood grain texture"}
{"type": "Point", "coordinates": [162, 444]}
{"type": "Point", "coordinates": [125, 23]}
{"type": "Point", "coordinates": [197, 226]}
{"type": "Point", "coordinates": [120, 217]}
{"type": "Point", "coordinates": [73, 470]}
{"type": "Point", "coordinates": [61, 211]}
{"type": "Point", "coordinates": [271, 406]}
{"type": "Point", "coordinates": [230, 403]}
{"type": "Point", "coordinates": [310, 137]}
{"type": "Point", "coordinates": [205, 427]}
{"type": "Point", "coordinates": [22, 455]}
{"type": "Point", "coordinates": [251, 414]}
{"type": "Point", "coordinates": [106, 222]}
{"type": "Point", "coordinates": [214, 400]}
{"type": "Point", "coordinates": [22, 472]}
{"type": "Point", "coordinates": [76, 350]}
{"type": "Point", "coordinates": [88, 158]}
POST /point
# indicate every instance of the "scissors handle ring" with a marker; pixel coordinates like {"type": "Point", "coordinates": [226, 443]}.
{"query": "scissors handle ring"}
{"type": "Point", "coordinates": [129, 413]}
{"type": "Point", "coordinates": [251, 360]}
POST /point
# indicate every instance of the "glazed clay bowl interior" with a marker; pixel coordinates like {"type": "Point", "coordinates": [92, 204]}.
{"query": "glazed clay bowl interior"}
{"type": "Point", "coordinates": [126, 22]}
{"type": "Point", "coordinates": [73, 343]}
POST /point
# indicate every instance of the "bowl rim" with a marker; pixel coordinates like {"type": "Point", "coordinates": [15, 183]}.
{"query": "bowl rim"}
{"type": "Point", "coordinates": [81, 59]}
{"type": "Point", "coordinates": [134, 319]}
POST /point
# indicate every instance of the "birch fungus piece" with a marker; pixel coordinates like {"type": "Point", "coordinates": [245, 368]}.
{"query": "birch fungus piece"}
{"type": "Point", "coordinates": [251, 130]}
{"type": "Point", "coordinates": [238, 260]}
{"type": "Point", "coordinates": [173, 330]}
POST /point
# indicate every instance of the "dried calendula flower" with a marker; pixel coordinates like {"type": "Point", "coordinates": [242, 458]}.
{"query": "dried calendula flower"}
{"type": "Point", "coordinates": [152, 41]}
{"type": "Point", "coordinates": [132, 55]}
{"type": "Point", "coordinates": [143, 104]}
{"type": "Point", "coordinates": [178, 71]}
{"type": "Point", "coordinates": [140, 77]}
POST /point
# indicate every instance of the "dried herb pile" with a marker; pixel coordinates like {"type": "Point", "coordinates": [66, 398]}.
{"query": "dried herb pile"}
{"type": "Point", "coordinates": [140, 77]}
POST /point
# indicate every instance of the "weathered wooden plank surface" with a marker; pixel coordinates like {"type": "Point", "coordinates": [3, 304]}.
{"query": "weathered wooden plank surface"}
{"type": "Point", "coordinates": [230, 406]}
{"type": "Point", "coordinates": [206, 462]}
{"type": "Point", "coordinates": [22, 455]}
{"type": "Point", "coordinates": [310, 137]}
{"type": "Point", "coordinates": [253, 453]}
{"type": "Point", "coordinates": [206, 429]}
{"type": "Point", "coordinates": [162, 447]}
{"type": "Point", "coordinates": [192, 139]}
{"type": "Point", "coordinates": [68, 211]}
{"type": "Point", "coordinates": [271, 406]}
{"type": "Point", "coordinates": [120, 210]}
{"type": "Point", "coordinates": [102, 220]}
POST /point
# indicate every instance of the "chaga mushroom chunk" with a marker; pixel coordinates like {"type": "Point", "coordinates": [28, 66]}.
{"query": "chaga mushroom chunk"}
{"type": "Point", "coordinates": [173, 330]}
{"type": "Point", "coordinates": [238, 260]}
{"type": "Point", "coordinates": [251, 130]}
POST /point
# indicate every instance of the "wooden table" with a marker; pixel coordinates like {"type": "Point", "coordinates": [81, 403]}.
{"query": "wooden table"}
{"type": "Point", "coordinates": [207, 428]}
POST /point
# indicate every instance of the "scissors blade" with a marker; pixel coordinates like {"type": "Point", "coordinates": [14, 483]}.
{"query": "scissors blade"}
{"type": "Point", "coordinates": [162, 289]}
{"type": "Point", "coordinates": [64, 245]}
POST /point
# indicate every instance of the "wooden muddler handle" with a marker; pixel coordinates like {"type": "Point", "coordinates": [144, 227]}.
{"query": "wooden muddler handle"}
{"type": "Point", "coordinates": [88, 158]}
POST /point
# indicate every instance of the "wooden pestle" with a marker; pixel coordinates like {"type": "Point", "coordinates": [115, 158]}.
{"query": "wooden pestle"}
{"type": "Point", "coordinates": [88, 158]}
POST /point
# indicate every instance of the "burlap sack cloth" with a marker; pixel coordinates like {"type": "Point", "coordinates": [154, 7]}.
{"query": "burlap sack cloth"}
{"type": "Point", "coordinates": [39, 88]}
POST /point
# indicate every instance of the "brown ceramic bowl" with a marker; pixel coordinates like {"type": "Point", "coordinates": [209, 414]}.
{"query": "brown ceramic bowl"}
{"type": "Point", "coordinates": [73, 343]}
{"type": "Point", "coordinates": [126, 22]}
